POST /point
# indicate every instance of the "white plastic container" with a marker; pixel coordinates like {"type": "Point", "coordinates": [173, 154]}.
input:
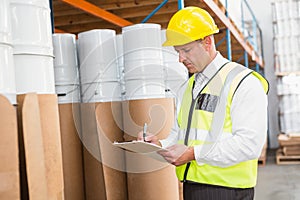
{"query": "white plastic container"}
{"type": "Point", "coordinates": [7, 73]}
{"type": "Point", "coordinates": [279, 12]}
{"type": "Point", "coordinates": [34, 73]}
{"type": "Point", "coordinates": [170, 55]}
{"type": "Point", "coordinates": [101, 92]}
{"type": "Point", "coordinates": [142, 41]}
{"type": "Point", "coordinates": [98, 56]}
{"type": "Point", "coordinates": [142, 51]}
{"type": "Point", "coordinates": [144, 89]}
{"type": "Point", "coordinates": [173, 86]}
{"type": "Point", "coordinates": [294, 24]}
{"type": "Point", "coordinates": [143, 68]}
{"type": "Point", "coordinates": [5, 23]}
{"type": "Point", "coordinates": [175, 70]}
{"type": "Point", "coordinates": [68, 93]}
{"type": "Point", "coordinates": [120, 51]}
{"type": "Point", "coordinates": [119, 45]}
{"type": "Point", "coordinates": [143, 61]}
{"type": "Point", "coordinates": [99, 72]}
{"type": "Point", "coordinates": [31, 27]}
{"type": "Point", "coordinates": [168, 52]}
{"type": "Point", "coordinates": [65, 59]}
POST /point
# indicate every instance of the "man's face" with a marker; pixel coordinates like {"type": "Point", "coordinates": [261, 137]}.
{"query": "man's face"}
{"type": "Point", "coordinates": [193, 55]}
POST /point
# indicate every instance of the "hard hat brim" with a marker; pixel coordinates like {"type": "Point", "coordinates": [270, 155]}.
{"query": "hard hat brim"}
{"type": "Point", "coordinates": [174, 38]}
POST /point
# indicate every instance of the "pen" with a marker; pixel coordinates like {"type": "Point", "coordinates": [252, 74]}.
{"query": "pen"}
{"type": "Point", "coordinates": [145, 131]}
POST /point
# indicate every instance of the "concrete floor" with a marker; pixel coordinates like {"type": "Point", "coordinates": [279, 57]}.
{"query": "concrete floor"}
{"type": "Point", "coordinates": [277, 182]}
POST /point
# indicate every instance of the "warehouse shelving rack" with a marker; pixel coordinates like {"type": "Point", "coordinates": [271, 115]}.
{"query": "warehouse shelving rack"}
{"type": "Point", "coordinates": [75, 16]}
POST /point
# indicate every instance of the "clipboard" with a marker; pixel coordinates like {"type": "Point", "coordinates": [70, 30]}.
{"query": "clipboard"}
{"type": "Point", "coordinates": [139, 146]}
{"type": "Point", "coordinates": [144, 148]}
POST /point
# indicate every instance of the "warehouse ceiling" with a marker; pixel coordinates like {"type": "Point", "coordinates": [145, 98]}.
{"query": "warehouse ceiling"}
{"type": "Point", "coordinates": [70, 19]}
{"type": "Point", "coordinates": [75, 16]}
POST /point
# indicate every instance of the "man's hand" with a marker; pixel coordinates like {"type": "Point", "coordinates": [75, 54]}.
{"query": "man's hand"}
{"type": "Point", "coordinates": [178, 154]}
{"type": "Point", "coordinates": [149, 138]}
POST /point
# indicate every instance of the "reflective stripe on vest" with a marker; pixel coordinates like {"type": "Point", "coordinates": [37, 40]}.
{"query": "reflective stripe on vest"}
{"type": "Point", "coordinates": [206, 119]}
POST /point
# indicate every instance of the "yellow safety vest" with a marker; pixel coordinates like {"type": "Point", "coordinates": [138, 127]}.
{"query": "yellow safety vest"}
{"type": "Point", "coordinates": [195, 120]}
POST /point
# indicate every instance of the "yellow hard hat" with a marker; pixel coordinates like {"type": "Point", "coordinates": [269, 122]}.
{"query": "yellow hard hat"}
{"type": "Point", "coordinates": [189, 24]}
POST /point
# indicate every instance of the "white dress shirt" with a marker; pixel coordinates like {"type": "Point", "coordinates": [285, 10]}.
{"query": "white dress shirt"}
{"type": "Point", "coordinates": [249, 122]}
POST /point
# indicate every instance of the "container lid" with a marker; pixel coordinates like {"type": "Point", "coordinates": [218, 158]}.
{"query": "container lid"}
{"type": "Point", "coordinates": [141, 26]}
{"type": "Point", "coordinates": [96, 31]}
{"type": "Point", "coordinates": [37, 3]}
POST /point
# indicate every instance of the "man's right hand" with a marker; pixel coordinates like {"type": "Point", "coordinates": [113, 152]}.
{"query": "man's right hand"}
{"type": "Point", "coordinates": [149, 138]}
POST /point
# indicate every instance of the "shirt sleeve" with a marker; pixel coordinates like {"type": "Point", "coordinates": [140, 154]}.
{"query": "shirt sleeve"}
{"type": "Point", "coordinates": [173, 136]}
{"type": "Point", "coordinates": [249, 128]}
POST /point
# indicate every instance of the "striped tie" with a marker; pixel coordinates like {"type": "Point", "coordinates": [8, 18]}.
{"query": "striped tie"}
{"type": "Point", "coordinates": [199, 83]}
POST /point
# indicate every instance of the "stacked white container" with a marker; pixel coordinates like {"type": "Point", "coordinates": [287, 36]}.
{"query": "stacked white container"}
{"type": "Point", "coordinates": [288, 88]}
{"type": "Point", "coordinates": [99, 74]}
{"type": "Point", "coordinates": [286, 19]}
{"type": "Point", "coordinates": [176, 73]}
{"type": "Point", "coordinates": [143, 62]}
{"type": "Point", "coordinates": [33, 49]}
{"type": "Point", "coordinates": [120, 55]}
{"type": "Point", "coordinates": [66, 68]}
{"type": "Point", "coordinates": [7, 72]}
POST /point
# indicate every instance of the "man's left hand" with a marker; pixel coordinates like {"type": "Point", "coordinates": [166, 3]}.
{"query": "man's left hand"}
{"type": "Point", "coordinates": [178, 154]}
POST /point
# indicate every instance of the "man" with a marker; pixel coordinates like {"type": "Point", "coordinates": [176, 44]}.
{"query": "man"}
{"type": "Point", "coordinates": [221, 115]}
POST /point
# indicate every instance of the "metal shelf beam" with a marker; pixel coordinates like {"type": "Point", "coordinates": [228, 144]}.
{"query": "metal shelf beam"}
{"type": "Point", "coordinates": [239, 37]}
{"type": "Point", "coordinates": [98, 12]}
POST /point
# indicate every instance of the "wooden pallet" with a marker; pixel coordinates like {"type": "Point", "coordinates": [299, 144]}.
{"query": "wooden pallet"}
{"type": "Point", "coordinates": [288, 139]}
{"type": "Point", "coordinates": [282, 159]}
{"type": "Point", "coordinates": [291, 150]}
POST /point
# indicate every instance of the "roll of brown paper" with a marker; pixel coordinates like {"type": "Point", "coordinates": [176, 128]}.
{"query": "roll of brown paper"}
{"type": "Point", "coordinates": [69, 114]}
{"type": "Point", "coordinates": [9, 151]}
{"type": "Point", "coordinates": [105, 175]}
{"type": "Point", "coordinates": [149, 179]}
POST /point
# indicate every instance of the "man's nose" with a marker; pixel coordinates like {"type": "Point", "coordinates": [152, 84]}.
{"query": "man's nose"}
{"type": "Point", "coordinates": [181, 57]}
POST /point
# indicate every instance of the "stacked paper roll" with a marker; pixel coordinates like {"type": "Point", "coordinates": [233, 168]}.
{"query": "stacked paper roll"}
{"type": "Point", "coordinates": [143, 171]}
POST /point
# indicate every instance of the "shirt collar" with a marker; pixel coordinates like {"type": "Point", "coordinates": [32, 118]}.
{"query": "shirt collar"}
{"type": "Point", "coordinates": [212, 68]}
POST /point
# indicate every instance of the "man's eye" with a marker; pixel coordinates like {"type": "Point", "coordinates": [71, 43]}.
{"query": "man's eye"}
{"type": "Point", "coordinates": [186, 50]}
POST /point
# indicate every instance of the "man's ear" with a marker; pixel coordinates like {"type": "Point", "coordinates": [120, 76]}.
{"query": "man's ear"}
{"type": "Point", "coordinates": [208, 42]}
